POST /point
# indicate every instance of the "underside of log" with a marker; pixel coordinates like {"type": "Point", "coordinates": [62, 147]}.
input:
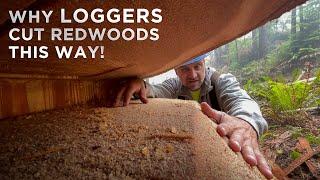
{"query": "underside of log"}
{"type": "Point", "coordinates": [188, 29]}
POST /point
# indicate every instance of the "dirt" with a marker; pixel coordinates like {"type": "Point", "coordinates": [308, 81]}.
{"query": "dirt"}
{"type": "Point", "coordinates": [281, 142]}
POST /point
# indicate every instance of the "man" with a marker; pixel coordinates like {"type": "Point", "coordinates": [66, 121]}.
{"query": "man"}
{"type": "Point", "coordinates": [239, 120]}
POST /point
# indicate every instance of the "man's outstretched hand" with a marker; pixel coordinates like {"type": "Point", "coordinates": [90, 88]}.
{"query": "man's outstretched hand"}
{"type": "Point", "coordinates": [242, 138]}
{"type": "Point", "coordinates": [127, 89]}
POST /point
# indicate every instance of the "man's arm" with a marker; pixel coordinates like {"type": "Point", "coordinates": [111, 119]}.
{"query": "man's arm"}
{"type": "Point", "coordinates": [166, 89]}
{"type": "Point", "coordinates": [143, 90]}
{"type": "Point", "coordinates": [236, 102]}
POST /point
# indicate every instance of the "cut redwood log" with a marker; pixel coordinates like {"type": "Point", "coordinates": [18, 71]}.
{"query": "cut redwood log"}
{"type": "Point", "coordinates": [164, 139]}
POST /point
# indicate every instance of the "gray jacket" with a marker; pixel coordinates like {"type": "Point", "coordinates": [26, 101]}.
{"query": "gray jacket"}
{"type": "Point", "coordinates": [231, 98]}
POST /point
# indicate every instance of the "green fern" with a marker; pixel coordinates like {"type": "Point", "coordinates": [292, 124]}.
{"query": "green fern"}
{"type": "Point", "coordinates": [285, 99]}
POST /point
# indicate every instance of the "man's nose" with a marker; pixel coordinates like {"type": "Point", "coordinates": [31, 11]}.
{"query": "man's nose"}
{"type": "Point", "coordinates": [193, 74]}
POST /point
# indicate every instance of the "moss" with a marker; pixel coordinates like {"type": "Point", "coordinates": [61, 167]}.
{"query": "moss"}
{"type": "Point", "coordinates": [312, 139]}
{"type": "Point", "coordinates": [295, 154]}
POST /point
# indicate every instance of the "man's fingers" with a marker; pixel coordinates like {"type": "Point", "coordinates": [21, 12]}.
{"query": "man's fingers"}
{"type": "Point", "coordinates": [211, 113]}
{"type": "Point", "coordinates": [218, 117]}
{"type": "Point", "coordinates": [143, 95]}
{"type": "Point", "coordinates": [236, 140]}
{"type": "Point", "coordinates": [127, 96]}
{"type": "Point", "coordinates": [248, 153]}
{"type": "Point", "coordinates": [226, 127]}
{"type": "Point", "coordinates": [119, 96]}
{"type": "Point", "coordinates": [263, 165]}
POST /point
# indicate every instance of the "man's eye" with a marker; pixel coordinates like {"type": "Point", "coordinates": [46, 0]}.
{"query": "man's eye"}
{"type": "Point", "coordinates": [197, 67]}
{"type": "Point", "coordinates": [184, 69]}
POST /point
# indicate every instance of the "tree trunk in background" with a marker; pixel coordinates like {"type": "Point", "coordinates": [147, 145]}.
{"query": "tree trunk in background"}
{"type": "Point", "coordinates": [301, 19]}
{"type": "Point", "coordinates": [294, 30]}
{"type": "Point", "coordinates": [217, 54]}
{"type": "Point", "coordinates": [226, 53]}
{"type": "Point", "coordinates": [318, 24]}
{"type": "Point", "coordinates": [254, 50]}
{"type": "Point", "coordinates": [212, 59]}
{"type": "Point", "coordinates": [293, 23]}
{"type": "Point", "coordinates": [262, 41]}
{"type": "Point", "coordinates": [218, 62]}
{"type": "Point", "coordinates": [237, 52]}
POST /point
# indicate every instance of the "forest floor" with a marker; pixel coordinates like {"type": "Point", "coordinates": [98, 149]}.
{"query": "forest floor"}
{"type": "Point", "coordinates": [293, 151]}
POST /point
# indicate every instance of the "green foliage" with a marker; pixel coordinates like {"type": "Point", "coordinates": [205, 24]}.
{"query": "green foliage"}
{"type": "Point", "coordinates": [256, 90]}
{"type": "Point", "coordinates": [283, 46]}
{"type": "Point", "coordinates": [234, 65]}
{"type": "Point", "coordinates": [306, 51]}
{"type": "Point", "coordinates": [295, 154]}
{"type": "Point", "coordinates": [295, 74]}
{"type": "Point", "coordinates": [283, 97]}
{"type": "Point", "coordinates": [312, 139]}
{"type": "Point", "coordinates": [304, 132]}
{"type": "Point", "coordinates": [314, 99]}
{"type": "Point", "coordinates": [284, 51]}
{"type": "Point", "coordinates": [262, 67]}
{"type": "Point", "coordinates": [280, 96]}
{"type": "Point", "coordinates": [238, 53]}
{"type": "Point", "coordinates": [266, 136]}
{"type": "Point", "coordinates": [297, 132]}
{"type": "Point", "coordinates": [285, 100]}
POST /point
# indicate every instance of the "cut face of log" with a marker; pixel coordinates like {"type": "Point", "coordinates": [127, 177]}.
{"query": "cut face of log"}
{"type": "Point", "coordinates": [165, 139]}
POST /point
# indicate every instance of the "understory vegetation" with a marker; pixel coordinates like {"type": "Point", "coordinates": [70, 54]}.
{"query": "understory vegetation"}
{"type": "Point", "coordinates": [278, 64]}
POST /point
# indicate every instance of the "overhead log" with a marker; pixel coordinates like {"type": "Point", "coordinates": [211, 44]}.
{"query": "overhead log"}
{"type": "Point", "coordinates": [187, 29]}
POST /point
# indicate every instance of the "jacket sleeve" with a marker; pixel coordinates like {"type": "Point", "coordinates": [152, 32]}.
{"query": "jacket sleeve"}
{"type": "Point", "coordinates": [236, 102]}
{"type": "Point", "coordinates": [167, 89]}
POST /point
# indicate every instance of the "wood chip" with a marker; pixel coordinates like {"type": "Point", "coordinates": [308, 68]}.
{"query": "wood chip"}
{"type": "Point", "coordinates": [313, 169]}
{"type": "Point", "coordinates": [303, 144]}
{"type": "Point", "coordinates": [301, 160]}
{"type": "Point", "coordinates": [177, 137]}
{"type": "Point", "coordinates": [169, 148]}
{"type": "Point", "coordinates": [159, 154]}
{"type": "Point", "coordinates": [44, 152]}
{"type": "Point", "coordinates": [278, 172]}
{"type": "Point", "coordinates": [145, 151]}
{"type": "Point", "coordinates": [174, 130]}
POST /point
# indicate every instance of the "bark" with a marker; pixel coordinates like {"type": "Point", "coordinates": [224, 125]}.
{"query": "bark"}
{"type": "Point", "coordinates": [262, 41]}
{"type": "Point", "coordinates": [255, 44]}
{"type": "Point", "coordinates": [293, 22]}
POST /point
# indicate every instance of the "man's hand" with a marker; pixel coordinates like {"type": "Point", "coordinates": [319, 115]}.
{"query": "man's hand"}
{"type": "Point", "coordinates": [126, 91]}
{"type": "Point", "coordinates": [242, 138]}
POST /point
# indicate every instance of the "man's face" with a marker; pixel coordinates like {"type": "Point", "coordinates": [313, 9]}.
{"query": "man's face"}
{"type": "Point", "coordinates": [192, 75]}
